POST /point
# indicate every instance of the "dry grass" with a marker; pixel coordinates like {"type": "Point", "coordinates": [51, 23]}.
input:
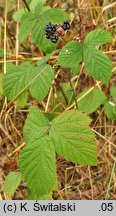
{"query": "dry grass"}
{"type": "Point", "coordinates": [75, 181]}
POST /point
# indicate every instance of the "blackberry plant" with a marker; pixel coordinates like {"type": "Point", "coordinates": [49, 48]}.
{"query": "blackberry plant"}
{"type": "Point", "coordinates": [68, 134]}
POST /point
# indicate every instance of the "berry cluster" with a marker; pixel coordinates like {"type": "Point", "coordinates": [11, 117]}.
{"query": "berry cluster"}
{"type": "Point", "coordinates": [65, 25]}
{"type": "Point", "coordinates": [50, 30]}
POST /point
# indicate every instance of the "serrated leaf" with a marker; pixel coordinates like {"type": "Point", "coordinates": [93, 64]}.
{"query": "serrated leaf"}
{"type": "Point", "coordinates": [41, 152]}
{"type": "Point", "coordinates": [40, 87]}
{"type": "Point", "coordinates": [35, 196]}
{"type": "Point", "coordinates": [97, 64]}
{"type": "Point", "coordinates": [35, 3]}
{"type": "Point", "coordinates": [35, 125]}
{"type": "Point", "coordinates": [10, 67]}
{"type": "Point", "coordinates": [71, 54]}
{"type": "Point", "coordinates": [17, 78]}
{"type": "Point", "coordinates": [91, 101]}
{"type": "Point", "coordinates": [17, 16]}
{"type": "Point", "coordinates": [11, 183]}
{"type": "Point", "coordinates": [38, 10]}
{"type": "Point", "coordinates": [98, 37]}
{"type": "Point", "coordinates": [28, 77]}
{"type": "Point", "coordinates": [73, 138]}
{"type": "Point", "coordinates": [38, 37]}
{"type": "Point", "coordinates": [27, 23]}
{"type": "Point", "coordinates": [110, 110]}
{"type": "Point", "coordinates": [38, 166]}
{"type": "Point", "coordinates": [54, 15]}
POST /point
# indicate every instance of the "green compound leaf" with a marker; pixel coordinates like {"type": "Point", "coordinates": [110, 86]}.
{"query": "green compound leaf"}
{"type": "Point", "coordinates": [36, 125]}
{"type": "Point", "coordinates": [28, 77]}
{"type": "Point", "coordinates": [98, 37]}
{"type": "Point", "coordinates": [38, 166]}
{"type": "Point", "coordinates": [97, 64]}
{"type": "Point", "coordinates": [91, 101]}
{"type": "Point", "coordinates": [11, 183]}
{"type": "Point", "coordinates": [71, 55]}
{"type": "Point", "coordinates": [73, 138]}
{"type": "Point", "coordinates": [68, 134]}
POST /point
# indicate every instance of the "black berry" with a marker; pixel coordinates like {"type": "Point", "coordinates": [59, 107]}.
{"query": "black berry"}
{"type": "Point", "coordinates": [54, 38]}
{"type": "Point", "coordinates": [50, 29]}
{"type": "Point", "coordinates": [66, 25]}
{"type": "Point", "coordinates": [48, 35]}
